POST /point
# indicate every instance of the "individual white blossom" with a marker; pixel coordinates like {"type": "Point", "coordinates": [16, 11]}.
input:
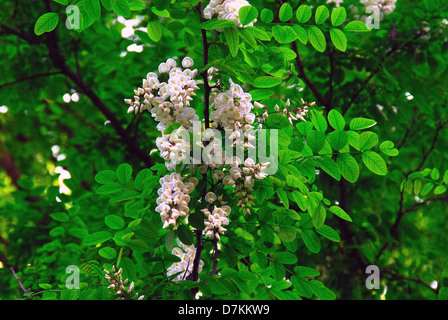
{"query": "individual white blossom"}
{"type": "Point", "coordinates": [186, 255]}
{"type": "Point", "coordinates": [226, 10]}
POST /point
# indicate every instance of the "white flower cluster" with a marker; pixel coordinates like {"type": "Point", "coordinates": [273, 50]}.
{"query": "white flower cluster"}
{"type": "Point", "coordinates": [174, 198]}
{"type": "Point", "coordinates": [215, 219]}
{"type": "Point", "coordinates": [168, 101]}
{"type": "Point", "coordinates": [232, 109]}
{"type": "Point", "coordinates": [385, 6]}
{"type": "Point", "coordinates": [186, 255]}
{"type": "Point", "coordinates": [336, 2]}
{"type": "Point", "coordinates": [226, 10]}
{"type": "Point", "coordinates": [173, 148]}
{"type": "Point", "coordinates": [298, 112]}
{"type": "Point", "coordinates": [243, 178]}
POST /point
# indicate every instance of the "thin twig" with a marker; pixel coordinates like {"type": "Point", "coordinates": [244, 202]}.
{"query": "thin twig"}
{"type": "Point", "coordinates": [302, 74]}
{"type": "Point", "coordinates": [31, 77]}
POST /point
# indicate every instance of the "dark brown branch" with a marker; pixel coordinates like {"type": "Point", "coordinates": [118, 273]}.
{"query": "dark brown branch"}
{"type": "Point", "coordinates": [59, 62]}
{"type": "Point", "coordinates": [215, 257]}
{"type": "Point", "coordinates": [14, 273]}
{"type": "Point", "coordinates": [426, 154]}
{"type": "Point", "coordinates": [302, 74]}
{"type": "Point", "coordinates": [194, 276]}
{"type": "Point", "coordinates": [394, 49]}
{"type": "Point", "coordinates": [31, 77]}
{"type": "Point", "coordinates": [31, 39]}
{"type": "Point", "coordinates": [395, 276]}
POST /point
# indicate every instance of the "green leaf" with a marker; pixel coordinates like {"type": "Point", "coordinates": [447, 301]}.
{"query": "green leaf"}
{"type": "Point", "coordinates": [64, 2]}
{"type": "Point", "coordinates": [92, 9]}
{"type": "Point", "coordinates": [141, 177]}
{"type": "Point", "coordinates": [353, 139]}
{"type": "Point", "coordinates": [266, 15]}
{"type": "Point", "coordinates": [259, 33]}
{"type": "Point", "coordinates": [267, 82]}
{"type": "Point", "coordinates": [387, 147]}
{"type": "Point", "coordinates": [108, 4]}
{"type": "Point", "coordinates": [106, 176]}
{"type": "Point", "coordinates": [339, 39]}
{"type": "Point", "coordinates": [56, 232]}
{"type": "Point", "coordinates": [304, 127]}
{"type": "Point", "coordinates": [427, 188]}
{"type": "Point", "coordinates": [247, 14]}
{"type": "Point", "coordinates": [318, 217]}
{"type": "Point", "coordinates": [303, 13]}
{"type": "Point", "coordinates": [338, 16]}
{"type": "Point", "coordinates": [138, 245]}
{"type": "Point", "coordinates": [316, 140]}
{"type": "Point", "coordinates": [340, 213]}
{"type": "Point", "coordinates": [283, 197]}
{"type": "Point", "coordinates": [329, 233]}
{"type": "Point", "coordinates": [286, 258]}
{"type": "Point", "coordinates": [114, 222]}
{"type": "Point", "coordinates": [109, 188]}
{"type": "Point", "coordinates": [97, 237]}
{"type": "Point", "coordinates": [322, 14]}
{"type": "Point", "coordinates": [214, 23]}
{"type": "Point", "coordinates": [374, 162]}
{"type": "Point", "coordinates": [367, 140]}
{"type": "Point", "coordinates": [336, 120]}
{"type": "Point", "coordinates": [318, 121]}
{"type": "Point", "coordinates": [439, 190]}
{"type": "Point", "coordinates": [260, 94]}
{"type": "Point", "coordinates": [154, 31]}
{"type": "Point", "coordinates": [361, 123]}
{"type": "Point", "coordinates": [283, 34]}
{"type": "Point", "coordinates": [435, 174]}
{"type": "Point", "coordinates": [46, 23]}
{"type": "Point", "coordinates": [330, 167]}
{"type": "Point", "coordinates": [123, 196]}
{"type": "Point", "coordinates": [196, 220]}
{"type": "Point", "coordinates": [45, 286]}
{"type": "Point", "coordinates": [322, 292]}
{"type": "Point", "coordinates": [162, 4]}
{"type": "Point", "coordinates": [233, 40]}
{"type": "Point", "coordinates": [60, 216]}
{"type": "Point", "coordinates": [317, 38]}
{"type": "Point", "coordinates": [185, 235]}
{"type": "Point", "coordinates": [348, 166]}
{"type": "Point", "coordinates": [306, 271]}
{"type": "Point", "coordinates": [108, 253]}
{"type": "Point", "coordinates": [356, 26]}
{"type": "Point", "coordinates": [311, 240]}
{"type": "Point", "coordinates": [124, 173]}
{"type": "Point", "coordinates": [285, 12]}
{"type": "Point", "coordinates": [122, 8]}
{"type": "Point", "coordinates": [300, 33]}
{"type": "Point", "coordinates": [338, 139]}
{"type": "Point", "coordinates": [286, 233]}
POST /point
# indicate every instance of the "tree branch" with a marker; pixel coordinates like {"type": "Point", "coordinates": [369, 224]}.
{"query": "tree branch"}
{"type": "Point", "coordinates": [396, 276]}
{"type": "Point", "coordinates": [302, 74]}
{"type": "Point", "coordinates": [394, 49]}
{"type": "Point", "coordinates": [59, 62]}
{"type": "Point", "coordinates": [31, 39]}
{"type": "Point", "coordinates": [31, 77]}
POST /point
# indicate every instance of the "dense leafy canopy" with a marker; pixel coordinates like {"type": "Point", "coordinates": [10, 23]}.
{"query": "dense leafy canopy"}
{"type": "Point", "coordinates": [363, 181]}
